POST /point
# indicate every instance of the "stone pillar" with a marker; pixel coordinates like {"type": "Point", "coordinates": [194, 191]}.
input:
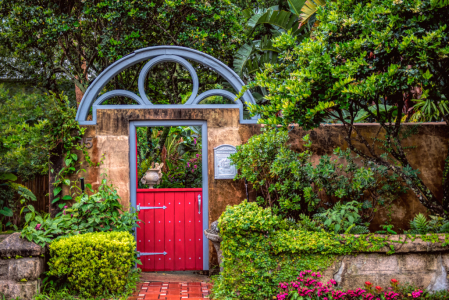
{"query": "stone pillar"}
{"type": "Point", "coordinates": [21, 264]}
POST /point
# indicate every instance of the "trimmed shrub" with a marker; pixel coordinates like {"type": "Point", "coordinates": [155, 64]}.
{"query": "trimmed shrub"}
{"type": "Point", "coordinates": [93, 263]}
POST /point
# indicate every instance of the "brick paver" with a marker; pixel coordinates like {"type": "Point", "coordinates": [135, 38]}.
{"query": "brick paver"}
{"type": "Point", "coordinates": [172, 290]}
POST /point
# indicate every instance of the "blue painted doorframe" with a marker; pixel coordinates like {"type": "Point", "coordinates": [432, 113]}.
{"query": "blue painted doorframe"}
{"type": "Point", "coordinates": [133, 164]}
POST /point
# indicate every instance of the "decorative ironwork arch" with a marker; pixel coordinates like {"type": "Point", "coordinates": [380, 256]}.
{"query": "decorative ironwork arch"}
{"type": "Point", "coordinates": [158, 55]}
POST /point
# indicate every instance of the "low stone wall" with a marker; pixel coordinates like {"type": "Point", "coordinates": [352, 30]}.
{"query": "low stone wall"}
{"type": "Point", "coordinates": [21, 264]}
{"type": "Point", "coordinates": [421, 263]}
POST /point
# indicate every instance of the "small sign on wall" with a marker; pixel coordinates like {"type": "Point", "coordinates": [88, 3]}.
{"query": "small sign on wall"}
{"type": "Point", "coordinates": [222, 164]}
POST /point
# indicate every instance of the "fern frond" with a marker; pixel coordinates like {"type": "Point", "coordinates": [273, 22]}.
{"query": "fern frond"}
{"type": "Point", "coordinates": [359, 229]}
{"type": "Point", "coordinates": [444, 228]}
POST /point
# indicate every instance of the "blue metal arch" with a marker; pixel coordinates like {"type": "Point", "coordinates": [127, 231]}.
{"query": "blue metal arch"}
{"type": "Point", "coordinates": [157, 55]}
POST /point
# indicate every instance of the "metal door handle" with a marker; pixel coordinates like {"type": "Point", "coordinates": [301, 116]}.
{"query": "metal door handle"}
{"type": "Point", "coordinates": [199, 203]}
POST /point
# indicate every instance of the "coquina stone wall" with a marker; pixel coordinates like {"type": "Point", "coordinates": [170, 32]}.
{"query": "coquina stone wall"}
{"type": "Point", "coordinates": [110, 143]}
{"type": "Point", "coordinates": [421, 263]}
{"type": "Point", "coordinates": [21, 264]}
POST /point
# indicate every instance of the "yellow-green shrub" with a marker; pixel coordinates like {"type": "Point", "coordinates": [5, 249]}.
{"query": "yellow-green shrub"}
{"type": "Point", "coordinates": [93, 263]}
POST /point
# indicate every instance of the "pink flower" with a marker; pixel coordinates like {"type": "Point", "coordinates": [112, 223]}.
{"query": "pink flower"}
{"type": "Point", "coordinates": [195, 166]}
{"type": "Point", "coordinates": [38, 226]}
{"type": "Point", "coordinates": [188, 165]}
{"type": "Point", "coordinates": [197, 155]}
{"type": "Point", "coordinates": [194, 141]}
{"type": "Point", "coordinates": [64, 213]}
{"type": "Point", "coordinates": [416, 294]}
{"type": "Point", "coordinates": [65, 207]}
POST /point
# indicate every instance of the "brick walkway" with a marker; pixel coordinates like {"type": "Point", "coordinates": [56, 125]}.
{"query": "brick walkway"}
{"type": "Point", "coordinates": [172, 290]}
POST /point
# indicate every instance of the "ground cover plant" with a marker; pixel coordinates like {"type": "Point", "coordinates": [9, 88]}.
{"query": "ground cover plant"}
{"type": "Point", "coordinates": [261, 249]}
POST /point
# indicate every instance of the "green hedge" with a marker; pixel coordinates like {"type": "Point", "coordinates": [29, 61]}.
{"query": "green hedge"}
{"type": "Point", "coordinates": [93, 263]}
{"type": "Point", "coordinates": [260, 250]}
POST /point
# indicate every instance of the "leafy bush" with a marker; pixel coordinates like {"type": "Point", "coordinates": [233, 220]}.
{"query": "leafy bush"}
{"type": "Point", "coordinates": [260, 249]}
{"type": "Point", "coordinates": [343, 218]}
{"type": "Point", "coordinates": [93, 263]}
{"type": "Point", "coordinates": [276, 172]}
{"type": "Point", "coordinates": [97, 212]}
{"type": "Point", "coordinates": [288, 182]}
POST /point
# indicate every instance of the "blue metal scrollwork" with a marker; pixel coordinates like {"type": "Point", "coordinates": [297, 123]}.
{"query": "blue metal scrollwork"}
{"type": "Point", "coordinates": [157, 55]}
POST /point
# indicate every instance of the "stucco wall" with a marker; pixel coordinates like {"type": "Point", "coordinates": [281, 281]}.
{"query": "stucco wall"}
{"type": "Point", "coordinates": [110, 144]}
{"type": "Point", "coordinates": [420, 263]}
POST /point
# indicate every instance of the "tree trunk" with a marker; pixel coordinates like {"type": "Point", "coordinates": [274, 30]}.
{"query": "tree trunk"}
{"type": "Point", "coordinates": [56, 163]}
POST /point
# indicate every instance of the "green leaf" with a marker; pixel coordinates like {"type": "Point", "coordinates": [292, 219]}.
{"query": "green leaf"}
{"type": "Point", "coordinates": [8, 176]}
{"type": "Point", "coordinates": [31, 208]}
{"type": "Point", "coordinates": [7, 212]}
{"type": "Point", "coordinates": [296, 6]}
{"type": "Point", "coordinates": [68, 162]}
{"type": "Point", "coordinates": [55, 200]}
{"type": "Point", "coordinates": [67, 181]}
{"type": "Point", "coordinates": [67, 197]}
{"type": "Point", "coordinates": [57, 190]}
{"type": "Point", "coordinates": [61, 205]}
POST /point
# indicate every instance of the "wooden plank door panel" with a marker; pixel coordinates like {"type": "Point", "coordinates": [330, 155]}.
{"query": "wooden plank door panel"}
{"type": "Point", "coordinates": [169, 231]}
{"type": "Point", "coordinates": [176, 230]}
{"type": "Point", "coordinates": [198, 213]}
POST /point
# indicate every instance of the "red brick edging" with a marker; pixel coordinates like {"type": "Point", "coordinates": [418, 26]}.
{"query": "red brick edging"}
{"type": "Point", "coordinates": [172, 290]}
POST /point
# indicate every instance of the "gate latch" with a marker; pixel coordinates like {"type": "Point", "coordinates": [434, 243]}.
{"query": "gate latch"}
{"type": "Point", "coordinates": [139, 254]}
{"type": "Point", "coordinates": [149, 207]}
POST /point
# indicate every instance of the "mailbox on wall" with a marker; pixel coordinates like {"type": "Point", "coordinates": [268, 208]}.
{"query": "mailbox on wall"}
{"type": "Point", "coordinates": [222, 164]}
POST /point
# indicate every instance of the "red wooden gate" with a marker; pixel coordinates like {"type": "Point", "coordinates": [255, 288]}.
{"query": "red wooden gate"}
{"type": "Point", "coordinates": [170, 237]}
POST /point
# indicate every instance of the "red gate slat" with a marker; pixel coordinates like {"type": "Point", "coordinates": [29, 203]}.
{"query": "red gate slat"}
{"type": "Point", "coordinates": [149, 231]}
{"type": "Point", "coordinates": [190, 230]}
{"type": "Point", "coordinates": [179, 232]}
{"type": "Point", "coordinates": [169, 231]}
{"type": "Point", "coordinates": [159, 232]}
{"type": "Point", "coordinates": [141, 231]}
{"type": "Point", "coordinates": [198, 233]}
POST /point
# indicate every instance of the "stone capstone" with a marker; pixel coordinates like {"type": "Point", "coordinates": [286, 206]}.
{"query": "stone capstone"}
{"type": "Point", "coordinates": [14, 246]}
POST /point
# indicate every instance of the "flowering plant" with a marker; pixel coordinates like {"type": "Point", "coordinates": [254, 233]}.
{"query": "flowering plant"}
{"type": "Point", "coordinates": [308, 286]}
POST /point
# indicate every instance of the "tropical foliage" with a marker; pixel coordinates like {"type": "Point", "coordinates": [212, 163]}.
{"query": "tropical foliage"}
{"type": "Point", "coordinates": [340, 193]}
{"type": "Point", "coordinates": [259, 50]}
{"type": "Point", "coordinates": [49, 39]}
{"type": "Point", "coordinates": [373, 57]}
{"type": "Point", "coordinates": [99, 212]}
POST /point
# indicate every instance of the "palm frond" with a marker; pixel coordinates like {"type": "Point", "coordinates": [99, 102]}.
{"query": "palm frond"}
{"type": "Point", "coordinates": [310, 8]}
{"type": "Point", "coordinates": [241, 58]}
{"type": "Point", "coordinates": [296, 6]}
{"type": "Point", "coordinates": [282, 19]}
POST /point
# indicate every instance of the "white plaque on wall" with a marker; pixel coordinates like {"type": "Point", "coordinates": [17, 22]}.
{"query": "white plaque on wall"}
{"type": "Point", "coordinates": [222, 164]}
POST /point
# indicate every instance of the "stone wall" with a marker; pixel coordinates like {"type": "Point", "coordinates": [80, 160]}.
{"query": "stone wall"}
{"type": "Point", "coordinates": [420, 263]}
{"type": "Point", "coordinates": [21, 264]}
{"type": "Point", "coordinates": [110, 144]}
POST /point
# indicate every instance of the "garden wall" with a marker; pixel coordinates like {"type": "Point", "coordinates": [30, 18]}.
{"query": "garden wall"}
{"type": "Point", "coordinates": [110, 138]}
{"type": "Point", "coordinates": [421, 263]}
{"type": "Point", "coordinates": [21, 264]}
